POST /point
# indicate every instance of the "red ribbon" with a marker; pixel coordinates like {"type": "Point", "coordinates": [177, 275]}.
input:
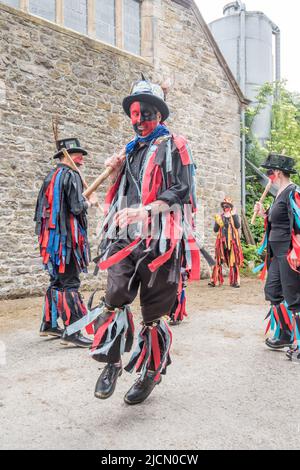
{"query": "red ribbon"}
{"type": "Point", "coordinates": [119, 256]}
{"type": "Point", "coordinates": [181, 144]}
{"type": "Point", "coordinates": [100, 333]}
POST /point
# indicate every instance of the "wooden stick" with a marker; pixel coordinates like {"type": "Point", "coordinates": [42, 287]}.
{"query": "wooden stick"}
{"type": "Point", "coordinates": [98, 181]}
{"type": "Point", "coordinates": [247, 230]}
{"type": "Point", "coordinates": [74, 167]}
{"type": "Point", "coordinates": [263, 197]}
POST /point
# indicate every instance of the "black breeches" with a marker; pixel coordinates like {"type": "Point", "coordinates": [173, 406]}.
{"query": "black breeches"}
{"type": "Point", "coordinates": [69, 279]}
{"type": "Point", "coordinates": [282, 282]}
{"type": "Point", "coordinates": [62, 298]}
{"type": "Point", "coordinates": [156, 301]}
{"type": "Point", "coordinates": [124, 280]}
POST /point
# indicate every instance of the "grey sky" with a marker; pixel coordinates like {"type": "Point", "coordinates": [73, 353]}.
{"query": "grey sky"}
{"type": "Point", "coordinates": [286, 14]}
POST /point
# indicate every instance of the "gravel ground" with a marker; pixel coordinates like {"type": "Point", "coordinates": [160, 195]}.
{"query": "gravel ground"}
{"type": "Point", "coordinates": [224, 390]}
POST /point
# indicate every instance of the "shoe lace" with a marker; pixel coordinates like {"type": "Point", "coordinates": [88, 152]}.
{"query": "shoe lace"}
{"type": "Point", "coordinates": [109, 369]}
{"type": "Point", "coordinates": [139, 382]}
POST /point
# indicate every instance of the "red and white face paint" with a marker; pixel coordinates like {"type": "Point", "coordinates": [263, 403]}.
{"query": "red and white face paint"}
{"type": "Point", "coordinates": [143, 117]}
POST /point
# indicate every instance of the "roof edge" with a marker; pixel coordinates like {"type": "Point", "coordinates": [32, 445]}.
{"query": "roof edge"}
{"type": "Point", "coordinates": [184, 3]}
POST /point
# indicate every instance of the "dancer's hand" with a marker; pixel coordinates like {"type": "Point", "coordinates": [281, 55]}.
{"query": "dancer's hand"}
{"type": "Point", "coordinates": [115, 162]}
{"type": "Point", "coordinates": [93, 199]}
{"type": "Point", "coordinates": [259, 209]}
{"type": "Point", "coordinates": [129, 216]}
{"type": "Point", "coordinates": [294, 259]}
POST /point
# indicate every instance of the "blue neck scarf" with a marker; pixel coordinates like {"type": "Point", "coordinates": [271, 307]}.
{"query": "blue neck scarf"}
{"type": "Point", "coordinates": [159, 131]}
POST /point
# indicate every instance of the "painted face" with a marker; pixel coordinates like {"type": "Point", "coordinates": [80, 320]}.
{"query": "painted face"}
{"type": "Point", "coordinates": [77, 158]}
{"type": "Point", "coordinates": [227, 208]}
{"type": "Point", "coordinates": [272, 176]}
{"type": "Point", "coordinates": [143, 117]}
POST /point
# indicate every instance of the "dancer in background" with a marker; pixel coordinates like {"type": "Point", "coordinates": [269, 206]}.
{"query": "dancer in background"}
{"type": "Point", "coordinates": [282, 244]}
{"type": "Point", "coordinates": [228, 248]}
{"type": "Point", "coordinates": [61, 226]}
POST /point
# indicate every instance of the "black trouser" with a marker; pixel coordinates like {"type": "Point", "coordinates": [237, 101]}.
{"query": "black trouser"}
{"type": "Point", "coordinates": [69, 279]}
{"type": "Point", "coordinates": [62, 297]}
{"type": "Point", "coordinates": [282, 282]}
{"type": "Point", "coordinates": [156, 301]}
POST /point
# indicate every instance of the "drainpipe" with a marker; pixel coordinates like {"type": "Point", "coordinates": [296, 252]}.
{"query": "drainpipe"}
{"type": "Point", "coordinates": [276, 32]}
{"type": "Point", "coordinates": [242, 74]}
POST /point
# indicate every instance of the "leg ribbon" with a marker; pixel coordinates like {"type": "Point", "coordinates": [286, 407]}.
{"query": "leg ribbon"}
{"type": "Point", "coordinates": [280, 319]}
{"type": "Point", "coordinates": [153, 349]}
{"type": "Point", "coordinates": [64, 303]}
{"type": "Point", "coordinates": [112, 326]}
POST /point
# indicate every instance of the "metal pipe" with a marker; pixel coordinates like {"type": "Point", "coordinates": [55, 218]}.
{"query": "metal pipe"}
{"type": "Point", "coordinates": [242, 74]}
{"type": "Point", "coordinates": [243, 161]}
{"type": "Point", "coordinates": [276, 32]}
{"type": "Point", "coordinates": [278, 55]}
{"type": "Point", "coordinates": [242, 48]}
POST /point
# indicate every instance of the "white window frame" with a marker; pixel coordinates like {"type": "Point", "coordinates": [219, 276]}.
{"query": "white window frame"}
{"type": "Point", "coordinates": [119, 17]}
{"type": "Point", "coordinates": [140, 20]}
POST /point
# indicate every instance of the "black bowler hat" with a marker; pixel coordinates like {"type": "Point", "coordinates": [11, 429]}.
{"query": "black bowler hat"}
{"type": "Point", "coordinates": [147, 92]}
{"type": "Point", "coordinates": [276, 161]}
{"type": "Point", "coordinates": [71, 145]}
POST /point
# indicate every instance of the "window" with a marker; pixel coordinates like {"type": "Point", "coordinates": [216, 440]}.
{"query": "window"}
{"type": "Point", "coordinates": [132, 26]}
{"type": "Point", "coordinates": [75, 15]}
{"type": "Point", "coordinates": [116, 22]}
{"type": "Point", "coordinates": [43, 8]}
{"type": "Point", "coordinates": [105, 20]}
{"type": "Point", "coordinates": [12, 3]}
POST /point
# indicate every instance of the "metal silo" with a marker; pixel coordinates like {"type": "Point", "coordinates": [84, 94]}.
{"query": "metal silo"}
{"type": "Point", "coordinates": [246, 39]}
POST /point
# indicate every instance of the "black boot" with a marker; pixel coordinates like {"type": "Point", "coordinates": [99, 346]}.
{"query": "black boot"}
{"type": "Point", "coordinates": [46, 329]}
{"type": "Point", "coordinates": [141, 389]}
{"type": "Point", "coordinates": [284, 341]}
{"type": "Point", "coordinates": [77, 339]}
{"type": "Point", "coordinates": [173, 322]}
{"type": "Point", "coordinates": [107, 381]}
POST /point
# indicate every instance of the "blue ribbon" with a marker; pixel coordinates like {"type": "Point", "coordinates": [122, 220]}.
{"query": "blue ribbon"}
{"type": "Point", "coordinates": [258, 268]}
{"type": "Point", "coordinates": [54, 313]}
{"type": "Point", "coordinates": [296, 209]}
{"type": "Point", "coordinates": [263, 245]}
{"type": "Point", "coordinates": [159, 131]}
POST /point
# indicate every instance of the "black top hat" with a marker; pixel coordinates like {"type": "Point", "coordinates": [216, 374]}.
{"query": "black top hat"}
{"type": "Point", "coordinates": [145, 91]}
{"type": "Point", "coordinates": [280, 162]}
{"type": "Point", "coordinates": [72, 145]}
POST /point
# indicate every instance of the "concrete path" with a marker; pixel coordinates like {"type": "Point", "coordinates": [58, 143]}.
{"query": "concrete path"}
{"type": "Point", "coordinates": [224, 390]}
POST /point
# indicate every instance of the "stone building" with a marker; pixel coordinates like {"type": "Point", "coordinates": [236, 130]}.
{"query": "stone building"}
{"type": "Point", "coordinates": [76, 59]}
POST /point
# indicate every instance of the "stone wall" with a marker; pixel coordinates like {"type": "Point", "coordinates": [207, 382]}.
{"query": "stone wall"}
{"type": "Point", "coordinates": [46, 70]}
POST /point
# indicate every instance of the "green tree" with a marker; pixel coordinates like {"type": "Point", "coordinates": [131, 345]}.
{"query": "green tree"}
{"type": "Point", "coordinates": [285, 132]}
{"type": "Point", "coordinates": [285, 138]}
